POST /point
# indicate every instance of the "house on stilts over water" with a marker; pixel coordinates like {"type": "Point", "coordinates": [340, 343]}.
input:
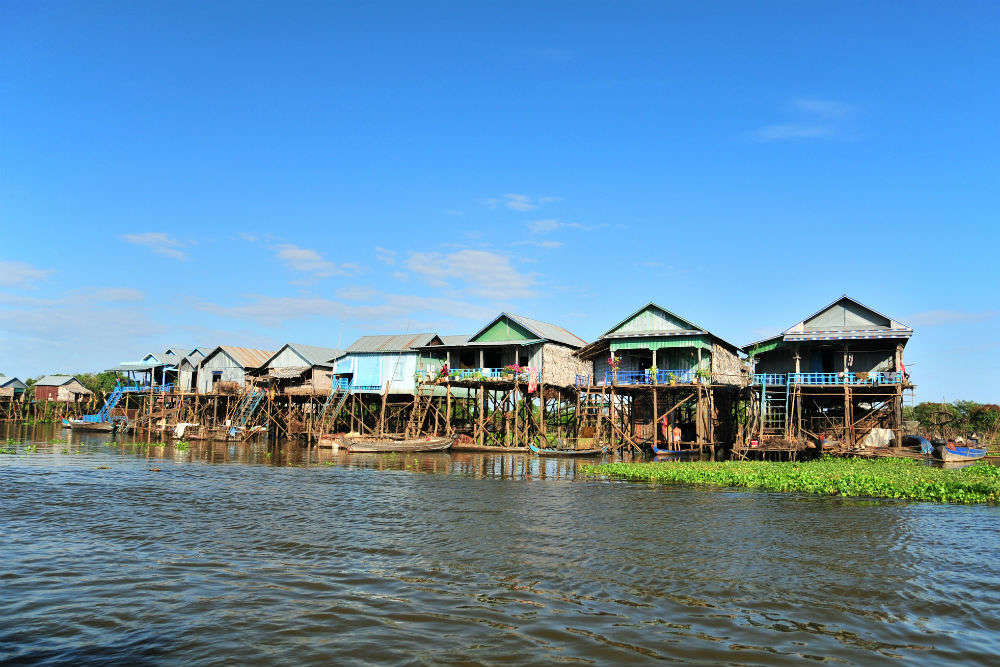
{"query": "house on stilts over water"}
{"type": "Point", "coordinates": [507, 385]}
{"type": "Point", "coordinates": [836, 378]}
{"type": "Point", "coordinates": [659, 381]}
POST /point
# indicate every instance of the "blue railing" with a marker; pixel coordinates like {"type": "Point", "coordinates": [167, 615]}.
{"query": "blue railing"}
{"type": "Point", "coordinates": [161, 388]}
{"type": "Point", "coordinates": [342, 383]}
{"type": "Point", "coordinates": [486, 374]}
{"type": "Point", "coordinates": [648, 377]}
{"type": "Point", "coordinates": [817, 379]}
{"type": "Point", "coordinates": [582, 381]}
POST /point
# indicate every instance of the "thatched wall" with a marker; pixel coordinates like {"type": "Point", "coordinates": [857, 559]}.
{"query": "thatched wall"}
{"type": "Point", "coordinates": [728, 368]}
{"type": "Point", "coordinates": [560, 366]}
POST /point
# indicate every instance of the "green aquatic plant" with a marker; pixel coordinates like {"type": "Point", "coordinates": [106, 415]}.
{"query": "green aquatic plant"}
{"type": "Point", "coordinates": [30, 449]}
{"type": "Point", "coordinates": [902, 479]}
{"type": "Point", "coordinates": [182, 445]}
{"type": "Point", "coordinates": [7, 449]}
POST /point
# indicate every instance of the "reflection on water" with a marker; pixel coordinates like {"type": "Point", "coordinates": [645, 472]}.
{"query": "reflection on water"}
{"type": "Point", "coordinates": [125, 552]}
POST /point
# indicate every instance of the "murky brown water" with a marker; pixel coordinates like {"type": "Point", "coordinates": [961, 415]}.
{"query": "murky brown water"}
{"type": "Point", "coordinates": [226, 554]}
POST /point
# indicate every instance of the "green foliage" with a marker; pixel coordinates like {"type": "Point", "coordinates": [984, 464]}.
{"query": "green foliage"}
{"type": "Point", "coordinates": [98, 382]}
{"type": "Point", "coordinates": [957, 418]}
{"type": "Point", "coordinates": [182, 445]}
{"type": "Point", "coordinates": [903, 479]}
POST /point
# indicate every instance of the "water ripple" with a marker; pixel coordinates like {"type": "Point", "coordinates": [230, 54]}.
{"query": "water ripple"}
{"type": "Point", "coordinates": [216, 555]}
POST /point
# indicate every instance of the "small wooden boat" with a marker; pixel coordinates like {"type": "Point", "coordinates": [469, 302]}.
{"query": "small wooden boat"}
{"type": "Point", "coordinates": [388, 444]}
{"type": "Point", "coordinates": [81, 425]}
{"type": "Point", "coordinates": [657, 451]}
{"type": "Point", "coordinates": [567, 452]}
{"type": "Point", "coordinates": [950, 453]}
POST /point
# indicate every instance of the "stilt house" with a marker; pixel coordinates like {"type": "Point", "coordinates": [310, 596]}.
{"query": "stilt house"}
{"type": "Point", "coordinates": [60, 388]}
{"type": "Point", "coordinates": [833, 377]}
{"type": "Point", "coordinates": [228, 364]}
{"type": "Point", "coordinates": [300, 369]}
{"type": "Point", "coordinates": [655, 346]}
{"type": "Point", "coordinates": [373, 363]}
{"type": "Point", "coordinates": [514, 341]}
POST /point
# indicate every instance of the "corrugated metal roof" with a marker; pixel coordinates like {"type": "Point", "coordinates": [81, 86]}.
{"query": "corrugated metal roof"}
{"type": "Point", "coordinates": [316, 355]}
{"type": "Point", "coordinates": [547, 331]}
{"type": "Point", "coordinates": [54, 380]}
{"type": "Point", "coordinates": [139, 366]}
{"type": "Point", "coordinates": [247, 357]}
{"type": "Point", "coordinates": [902, 331]}
{"type": "Point", "coordinates": [391, 343]}
{"type": "Point", "coordinates": [8, 381]}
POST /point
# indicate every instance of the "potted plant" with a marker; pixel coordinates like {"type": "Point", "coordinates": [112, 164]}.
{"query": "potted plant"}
{"type": "Point", "coordinates": [651, 374]}
{"type": "Point", "coordinates": [704, 375]}
{"type": "Point", "coordinates": [614, 364]}
{"type": "Point", "coordinates": [672, 378]}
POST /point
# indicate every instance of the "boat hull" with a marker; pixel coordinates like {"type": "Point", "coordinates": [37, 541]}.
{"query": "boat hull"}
{"type": "Point", "coordinates": [568, 452]}
{"type": "Point", "coordinates": [375, 445]}
{"type": "Point", "coordinates": [952, 454]}
{"type": "Point", "coordinates": [473, 447]}
{"type": "Point", "coordinates": [102, 427]}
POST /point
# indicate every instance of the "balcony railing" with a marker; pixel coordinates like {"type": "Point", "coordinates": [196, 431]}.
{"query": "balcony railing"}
{"type": "Point", "coordinates": [878, 378]}
{"type": "Point", "coordinates": [488, 374]}
{"type": "Point", "coordinates": [161, 388]}
{"type": "Point", "coordinates": [665, 376]}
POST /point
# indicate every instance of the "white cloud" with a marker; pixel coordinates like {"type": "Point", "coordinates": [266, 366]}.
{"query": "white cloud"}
{"type": "Point", "coordinates": [551, 225]}
{"type": "Point", "coordinates": [21, 274]}
{"type": "Point", "coordinates": [385, 255]}
{"type": "Point", "coordinates": [818, 119]}
{"type": "Point", "coordinates": [482, 273]}
{"type": "Point", "coordinates": [548, 244]}
{"type": "Point", "coordinates": [932, 318]}
{"type": "Point", "coordinates": [826, 108]}
{"type": "Point", "coordinates": [160, 243]}
{"type": "Point", "coordinates": [519, 202]}
{"type": "Point", "coordinates": [399, 311]}
{"type": "Point", "coordinates": [790, 131]}
{"type": "Point", "coordinates": [306, 260]}
{"type": "Point", "coordinates": [356, 293]}
{"type": "Point", "coordinates": [115, 294]}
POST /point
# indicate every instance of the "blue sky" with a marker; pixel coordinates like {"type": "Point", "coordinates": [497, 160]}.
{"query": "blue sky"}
{"type": "Point", "coordinates": [255, 173]}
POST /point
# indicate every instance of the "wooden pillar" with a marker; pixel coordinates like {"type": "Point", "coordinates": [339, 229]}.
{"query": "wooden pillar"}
{"type": "Point", "coordinates": [656, 424]}
{"type": "Point", "coordinates": [447, 414]}
{"type": "Point", "coordinates": [481, 396]}
{"type": "Point", "coordinates": [482, 363]}
{"type": "Point", "coordinates": [541, 407]}
{"type": "Point", "coordinates": [798, 360]}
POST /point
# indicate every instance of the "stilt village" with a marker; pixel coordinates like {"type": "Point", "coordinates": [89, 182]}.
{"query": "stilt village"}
{"type": "Point", "coordinates": [656, 381]}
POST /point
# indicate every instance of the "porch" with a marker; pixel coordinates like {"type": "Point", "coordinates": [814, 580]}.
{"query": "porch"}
{"type": "Point", "coordinates": [876, 378]}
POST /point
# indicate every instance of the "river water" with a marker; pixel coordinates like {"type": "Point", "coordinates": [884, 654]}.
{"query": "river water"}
{"type": "Point", "coordinates": [234, 554]}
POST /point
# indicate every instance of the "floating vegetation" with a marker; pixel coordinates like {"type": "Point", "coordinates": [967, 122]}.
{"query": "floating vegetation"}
{"type": "Point", "coordinates": [903, 479]}
{"type": "Point", "coordinates": [182, 445]}
{"type": "Point", "coordinates": [10, 447]}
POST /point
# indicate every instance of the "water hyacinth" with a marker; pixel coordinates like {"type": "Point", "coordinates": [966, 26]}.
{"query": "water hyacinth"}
{"type": "Point", "coordinates": [902, 479]}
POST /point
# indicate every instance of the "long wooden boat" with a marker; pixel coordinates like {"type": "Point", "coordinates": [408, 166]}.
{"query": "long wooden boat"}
{"type": "Point", "coordinates": [474, 447]}
{"type": "Point", "coordinates": [80, 425]}
{"type": "Point", "coordinates": [951, 452]}
{"type": "Point", "coordinates": [389, 444]}
{"type": "Point", "coordinates": [567, 452]}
